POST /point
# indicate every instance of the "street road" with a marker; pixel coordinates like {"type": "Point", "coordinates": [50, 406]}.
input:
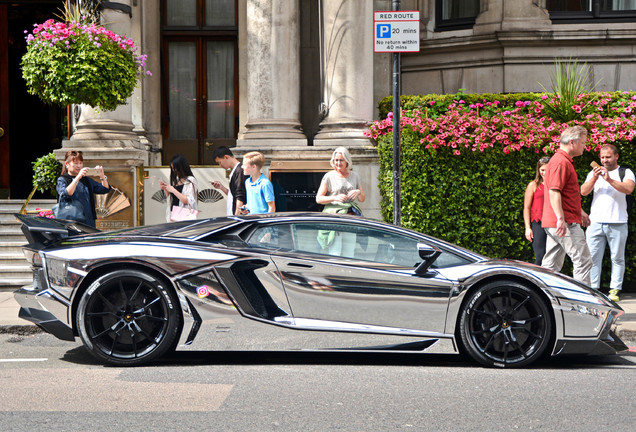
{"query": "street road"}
{"type": "Point", "coordinates": [51, 385]}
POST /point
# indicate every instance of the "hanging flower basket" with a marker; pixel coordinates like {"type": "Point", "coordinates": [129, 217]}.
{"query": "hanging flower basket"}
{"type": "Point", "coordinates": [79, 63]}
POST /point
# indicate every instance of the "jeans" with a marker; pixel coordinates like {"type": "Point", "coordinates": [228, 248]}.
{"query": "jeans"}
{"type": "Point", "coordinates": [573, 244]}
{"type": "Point", "coordinates": [538, 241]}
{"type": "Point", "coordinates": [598, 236]}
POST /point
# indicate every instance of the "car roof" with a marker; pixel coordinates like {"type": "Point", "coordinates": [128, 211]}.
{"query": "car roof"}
{"type": "Point", "coordinates": [196, 228]}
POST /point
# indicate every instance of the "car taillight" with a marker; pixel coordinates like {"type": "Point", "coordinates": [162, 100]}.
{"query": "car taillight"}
{"type": "Point", "coordinates": [33, 257]}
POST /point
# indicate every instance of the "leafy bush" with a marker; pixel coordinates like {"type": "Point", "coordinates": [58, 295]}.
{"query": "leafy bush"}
{"type": "Point", "coordinates": [465, 168]}
{"type": "Point", "coordinates": [46, 170]}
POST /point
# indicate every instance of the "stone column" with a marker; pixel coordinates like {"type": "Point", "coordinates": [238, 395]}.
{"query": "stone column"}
{"type": "Point", "coordinates": [347, 71]}
{"type": "Point", "coordinates": [273, 75]}
{"type": "Point", "coordinates": [109, 137]}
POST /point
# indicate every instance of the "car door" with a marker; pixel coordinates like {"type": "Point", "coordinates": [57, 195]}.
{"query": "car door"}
{"type": "Point", "coordinates": [346, 275]}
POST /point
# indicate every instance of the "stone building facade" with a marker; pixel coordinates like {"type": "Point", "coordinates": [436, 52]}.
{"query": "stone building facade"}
{"type": "Point", "coordinates": [296, 78]}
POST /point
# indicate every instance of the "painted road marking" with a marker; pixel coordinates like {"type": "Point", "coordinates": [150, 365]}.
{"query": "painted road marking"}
{"type": "Point", "coordinates": [16, 360]}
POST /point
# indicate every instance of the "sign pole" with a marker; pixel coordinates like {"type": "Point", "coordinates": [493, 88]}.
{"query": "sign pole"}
{"type": "Point", "coordinates": [396, 31]}
{"type": "Point", "coordinates": [397, 201]}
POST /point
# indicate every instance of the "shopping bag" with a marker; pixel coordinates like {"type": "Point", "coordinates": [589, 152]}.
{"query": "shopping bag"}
{"type": "Point", "coordinates": [183, 213]}
{"type": "Point", "coordinates": [70, 210]}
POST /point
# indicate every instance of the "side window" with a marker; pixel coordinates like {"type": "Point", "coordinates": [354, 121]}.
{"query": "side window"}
{"type": "Point", "coordinates": [355, 242]}
{"type": "Point", "coordinates": [272, 237]}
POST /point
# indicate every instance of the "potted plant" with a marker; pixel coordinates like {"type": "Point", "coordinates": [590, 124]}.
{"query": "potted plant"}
{"type": "Point", "coordinates": [46, 170]}
{"type": "Point", "coordinates": [81, 62]}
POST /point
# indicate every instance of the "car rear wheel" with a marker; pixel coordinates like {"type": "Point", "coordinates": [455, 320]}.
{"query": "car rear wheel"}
{"type": "Point", "coordinates": [505, 324]}
{"type": "Point", "coordinates": [127, 318]}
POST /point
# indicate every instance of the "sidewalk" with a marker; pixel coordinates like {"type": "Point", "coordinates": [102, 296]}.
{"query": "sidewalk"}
{"type": "Point", "coordinates": [9, 321]}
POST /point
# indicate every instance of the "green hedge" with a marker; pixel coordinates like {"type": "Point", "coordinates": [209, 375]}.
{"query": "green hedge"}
{"type": "Point", "coordinates": [475, 199]}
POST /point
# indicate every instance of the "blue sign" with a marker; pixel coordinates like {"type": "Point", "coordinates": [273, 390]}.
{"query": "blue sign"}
{"type": "Point", "coordinates": [383, 31]}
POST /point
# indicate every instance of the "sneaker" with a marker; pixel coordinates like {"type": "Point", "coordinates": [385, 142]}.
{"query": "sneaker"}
{"type": "Point", "coordinates": [613, 295]}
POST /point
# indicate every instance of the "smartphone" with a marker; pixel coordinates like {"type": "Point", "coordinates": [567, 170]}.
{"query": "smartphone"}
{"type": "Point", "coordinates": [93, 172]}
{"type": "Point", "coordinates": [594, 164]}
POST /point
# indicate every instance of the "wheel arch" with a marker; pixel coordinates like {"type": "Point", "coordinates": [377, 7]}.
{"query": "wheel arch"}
{"type": "Point", "coordinates": [476, 285]}
{"type": "Point", "coordinates": [101, 270]}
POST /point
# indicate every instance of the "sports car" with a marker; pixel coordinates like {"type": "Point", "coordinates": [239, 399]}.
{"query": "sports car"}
{"type": "Point", "coordinates": [300, 281]}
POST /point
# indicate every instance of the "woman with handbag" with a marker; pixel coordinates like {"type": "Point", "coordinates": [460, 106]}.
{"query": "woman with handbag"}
{"type": "Point", "coordinates": [182, 192]}
{"type": "Point", "coordinates": [338, 191]}
{"type": "Point", "coordinates": [75, 190]}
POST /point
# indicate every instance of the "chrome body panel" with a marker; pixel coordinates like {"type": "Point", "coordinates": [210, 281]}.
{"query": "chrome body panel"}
{"type": "Point", "coordinates": [236, 297]}
{"type": "Point", "coordinates": [344, 291]}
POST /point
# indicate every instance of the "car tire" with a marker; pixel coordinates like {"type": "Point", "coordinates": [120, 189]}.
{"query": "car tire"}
{"type": "Point", "coordinates": [128, 318]}
{"type": "Point", "coordinates": [505, 324]}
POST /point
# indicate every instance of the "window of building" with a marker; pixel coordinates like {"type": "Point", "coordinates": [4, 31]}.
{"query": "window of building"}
{"type": "Point", "coordinates": [200, 77]}
{"type": "Point", "coordinates": [455, 14]}
{"type": "Point", "coordinates": [583, 10]}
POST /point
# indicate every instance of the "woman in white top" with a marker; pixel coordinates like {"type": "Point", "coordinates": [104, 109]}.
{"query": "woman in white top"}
{"type": "Point", "coordinates": [341, 185]}
{"type": "Point", "coordinates": [338, 192]}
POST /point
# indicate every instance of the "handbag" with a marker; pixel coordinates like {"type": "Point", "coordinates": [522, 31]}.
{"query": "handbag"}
{"type": "Point", "coordinates": [70, 210]}
{"type": "Point", "coordinates": [183, 213]}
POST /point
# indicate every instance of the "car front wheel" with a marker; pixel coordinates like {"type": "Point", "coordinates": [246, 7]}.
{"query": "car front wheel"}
{"type": "Point", "coordinates": [505, 324]}
{"type": "Point", "coordinates": [127, 318]}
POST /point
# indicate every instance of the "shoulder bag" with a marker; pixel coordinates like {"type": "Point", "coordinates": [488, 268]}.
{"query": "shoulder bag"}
{"type": "Point", "coordinates": [183, 213]}
{"type": "Point", "coordinates": [69, 210]}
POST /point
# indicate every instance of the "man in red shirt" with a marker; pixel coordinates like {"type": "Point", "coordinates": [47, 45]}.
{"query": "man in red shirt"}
{"type": "Point", "coordinates": [562, 212]}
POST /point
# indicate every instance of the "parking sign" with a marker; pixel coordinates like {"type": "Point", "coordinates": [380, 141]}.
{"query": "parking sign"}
{"type": "Point", "coordinates": [383, 31]}
{"type": "Point", "coordinates": [397, 31]}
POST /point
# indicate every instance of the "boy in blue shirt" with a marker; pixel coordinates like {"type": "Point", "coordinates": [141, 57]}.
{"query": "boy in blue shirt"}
{"type": "Point", "coordinates": [260, 191]}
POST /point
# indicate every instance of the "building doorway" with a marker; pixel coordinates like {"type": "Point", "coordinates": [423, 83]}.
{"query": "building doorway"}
{"type": "Point", "coordinates": [200, 79]}
{"type": "Point", "coordinates": [30, 128]}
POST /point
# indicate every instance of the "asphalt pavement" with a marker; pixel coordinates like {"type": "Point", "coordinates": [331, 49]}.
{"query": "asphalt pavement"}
{"type": "Point", "coordinates": [10, 322]}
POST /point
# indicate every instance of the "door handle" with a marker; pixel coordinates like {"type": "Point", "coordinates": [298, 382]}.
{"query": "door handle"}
{"type": "Point", "coordinates": [209, 144]}
{"type": "Point", "coordinates": [1, 132]}
{"type": "Point", "coordinates": [291, 264]}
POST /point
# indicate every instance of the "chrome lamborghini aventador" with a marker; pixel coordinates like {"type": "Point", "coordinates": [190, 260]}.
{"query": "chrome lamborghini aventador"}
{"type": "Point", "coordinates": [300, 281]}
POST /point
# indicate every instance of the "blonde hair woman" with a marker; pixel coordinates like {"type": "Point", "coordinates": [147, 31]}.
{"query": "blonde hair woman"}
{"type": "Point", "coordinates": [338, 192]}
{"type": "Point", "coordinates": [341, 187]}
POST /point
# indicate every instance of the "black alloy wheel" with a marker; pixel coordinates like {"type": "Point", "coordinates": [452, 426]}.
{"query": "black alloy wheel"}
{"type": "Point", "coordinates": [127, 318]}
{"type": "Point", "coordinates": [505, 324]}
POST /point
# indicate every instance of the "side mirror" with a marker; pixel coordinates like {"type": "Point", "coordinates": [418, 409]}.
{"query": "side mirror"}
{"type": "Point", "coordinates": [428, 254]}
